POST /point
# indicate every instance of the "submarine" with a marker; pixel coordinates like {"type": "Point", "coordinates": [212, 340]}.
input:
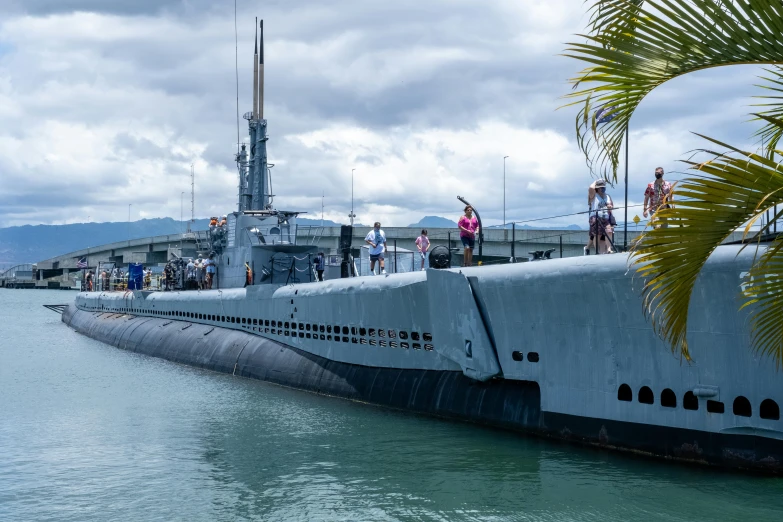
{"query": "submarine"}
{"type": "Point", "coordinates": [558, 348]}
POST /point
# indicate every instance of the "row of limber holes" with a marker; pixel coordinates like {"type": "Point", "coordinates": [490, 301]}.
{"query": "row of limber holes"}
{"type": "Point", "coordinates": [307, 330]}
{"type": "Point", "coordinates": [741, 407]}
{"type": "Point", "coordinates": [346, 339]}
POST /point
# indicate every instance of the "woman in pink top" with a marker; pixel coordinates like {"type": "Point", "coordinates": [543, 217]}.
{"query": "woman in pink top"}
{"type": "Point", "coordinates": [423, 245]}
{"type": "Point", "coordinates": [468, 228]}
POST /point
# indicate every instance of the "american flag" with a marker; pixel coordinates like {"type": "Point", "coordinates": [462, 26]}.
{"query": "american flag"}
{"type": "Point", "coordinates": [82, 263]}
{"type": "Point", "coordinates": [605, 114]}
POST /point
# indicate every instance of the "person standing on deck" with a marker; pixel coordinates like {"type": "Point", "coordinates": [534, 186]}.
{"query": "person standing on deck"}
{"type": "Point", "coordinates": [377, 241]}
{"type": "Point", "coordinates": [601, 218]}
{"type": "Point", "coordinates": [200, 272]}
{"type": "Point", "coordinates": [210, 264]}
{"type": "Point", "coordinates": [656, 193]}
{"type": "Point", "coordinates": [320, 264]}
{"type": "Point", "coordinates": [423, 245]}
{"type": "Point", "coordinates": [468, 228]}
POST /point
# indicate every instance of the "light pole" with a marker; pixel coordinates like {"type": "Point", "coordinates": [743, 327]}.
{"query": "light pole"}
{"type": "Point", "coordinates": [504, 192]}
{"type": "Point", "coordinates": [352, 215]}
{"type": "Point", "coordinates": [181, 213]}
{"type": "Point", "coordinates": [129, 208]}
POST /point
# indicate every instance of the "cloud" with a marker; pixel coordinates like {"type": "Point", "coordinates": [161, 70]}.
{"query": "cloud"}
{"type": "Point", "coordinates": [106, 104]}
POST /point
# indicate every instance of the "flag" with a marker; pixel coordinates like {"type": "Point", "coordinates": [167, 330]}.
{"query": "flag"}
{"type": "Point", "coordinates": [82, 263]}
{"type": "Point", "coordinates": [605, 114]}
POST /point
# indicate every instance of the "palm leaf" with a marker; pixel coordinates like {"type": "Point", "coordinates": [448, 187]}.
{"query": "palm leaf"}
{"type": "Point", "coordinates": [728, 191]}
{"type": "Point", "coordinates": [636, 46]}
{"type": "Point", "coordinates": [765, 291]}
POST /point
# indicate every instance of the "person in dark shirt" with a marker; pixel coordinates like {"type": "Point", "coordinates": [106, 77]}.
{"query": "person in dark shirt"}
{"type": "Point", "coordinates": [320, 265]}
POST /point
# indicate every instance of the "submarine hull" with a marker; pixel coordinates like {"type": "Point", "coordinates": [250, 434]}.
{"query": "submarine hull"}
{"type": "Point", "coordinates": [502, 403]}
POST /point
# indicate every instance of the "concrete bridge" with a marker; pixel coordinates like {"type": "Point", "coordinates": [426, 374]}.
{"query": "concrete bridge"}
{"type": "Point", "coordinates": [156, 250]}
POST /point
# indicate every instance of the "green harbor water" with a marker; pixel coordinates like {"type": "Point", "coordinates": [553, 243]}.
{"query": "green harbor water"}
{"type": "Point", "coordinates": [90, 432]}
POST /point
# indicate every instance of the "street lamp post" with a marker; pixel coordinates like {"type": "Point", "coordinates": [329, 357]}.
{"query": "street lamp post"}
{"type": "Point", "coordinates": [129, 209]}
{"type": "Point", "coordinates": [352, 215]}
{"type": "Point", "coordinates": [181, 211]}
{"type": "Point", "coordinates": [504, 192]}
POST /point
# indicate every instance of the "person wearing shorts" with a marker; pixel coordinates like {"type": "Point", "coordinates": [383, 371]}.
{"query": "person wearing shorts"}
{"type": "Point", "coordinates": [600, 219]}
{"type": "Point", "coordinates": [468, 228]}
{"type": "Point", "coordinates": [423, 245]}
{"type": "Point", "coordinates": [377, 241]}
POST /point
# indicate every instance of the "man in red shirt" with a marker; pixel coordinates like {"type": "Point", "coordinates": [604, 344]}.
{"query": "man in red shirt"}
{"type": "Point", "coordinates": [657, 192]}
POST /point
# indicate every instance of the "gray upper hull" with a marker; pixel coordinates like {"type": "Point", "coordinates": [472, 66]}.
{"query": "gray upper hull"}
{"type": "Point", "coordinates": [574, 326]}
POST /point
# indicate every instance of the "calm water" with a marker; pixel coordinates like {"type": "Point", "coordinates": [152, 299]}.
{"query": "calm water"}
{"type": "Point", "coordinates": [90, 432]}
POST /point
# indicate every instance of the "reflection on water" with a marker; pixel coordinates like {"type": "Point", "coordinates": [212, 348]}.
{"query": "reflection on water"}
{"type": "Point", "coordinates": [89, 432]}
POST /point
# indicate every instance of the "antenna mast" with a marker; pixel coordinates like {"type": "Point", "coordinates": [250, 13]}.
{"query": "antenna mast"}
{"type": "Point", "coordinates": [192, 196]}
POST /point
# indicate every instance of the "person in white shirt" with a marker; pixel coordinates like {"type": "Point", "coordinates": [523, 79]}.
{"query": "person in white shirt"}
{"type": "Point", "coordinates": [601, 206]}
{"type": "Point", "coordinates": [377, 241]}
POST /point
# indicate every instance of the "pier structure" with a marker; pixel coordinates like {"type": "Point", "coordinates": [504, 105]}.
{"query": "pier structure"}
{"type": "Point", "coordinates": [61, 271]}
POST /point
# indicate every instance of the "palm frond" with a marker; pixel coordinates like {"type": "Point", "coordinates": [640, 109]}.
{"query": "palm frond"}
{"type": "Point", "coordinates": [635, 46]}
{"type": "Point", "coordinates": [731, 189]}
{"type": "Point", "coordinates": [772, 131]}
{"type": "Point", "coordinates": [764, 292]}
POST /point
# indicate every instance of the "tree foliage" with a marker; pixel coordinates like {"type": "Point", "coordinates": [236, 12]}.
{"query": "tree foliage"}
{"type": "Point", "coordinates": [632, 47]}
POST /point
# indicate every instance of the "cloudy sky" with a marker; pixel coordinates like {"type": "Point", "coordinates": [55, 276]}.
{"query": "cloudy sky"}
{"type": "Point", "coordinates": [105, 103]}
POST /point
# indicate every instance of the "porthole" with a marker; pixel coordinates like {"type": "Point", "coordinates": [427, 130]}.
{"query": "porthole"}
{"type": "Point", "coordinates": [323, 337]}
{"type": "Point", "coordinates": [362, 331]}
{"type": "Point", "coordinates": [307, 327]}
{"type": "Point", "coordinates": [328, 328]}
{"type": "Point", "coordinates": [301, 326]}
{"type": "Point", "coordinates": [769, 410]}
{"type": "Point", "coordinates": [381, 333]}
{"type": "Point", "coordinates": [414, 336]}
{"type": "Point", "coordinates": [392, 334]}
{"type": "Point", "coordinates": [532, 357]}
{"type": "Point", "coordinates": [322, 329]}
{"type": "Point", "coordinates": [715, 407]}
{"type": "Point", "coordinates": [371, 332]}
{"type": "Point", "coordinates": [646, 395]}
{"type": "Point", "coordinates": [668, 398]}
{"type": "Point", "coordinates": [345, 330]}
{"type": "Point", "coordinates": [741, 407]}
{"type": "Point", "coordinates": [403, 335]}
{"type": "Point", "coordinates": [518, 356]}
{"type": "Point", "coordinates": [354, 340]}
{"type": "Point", "coordinates": [624, 393]}
{"type": "Point", "coordinates": [301, 335]}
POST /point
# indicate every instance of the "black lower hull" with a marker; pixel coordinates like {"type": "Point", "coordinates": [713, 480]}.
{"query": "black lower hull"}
{"type": "Point", "coordinates": [501, 403]}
